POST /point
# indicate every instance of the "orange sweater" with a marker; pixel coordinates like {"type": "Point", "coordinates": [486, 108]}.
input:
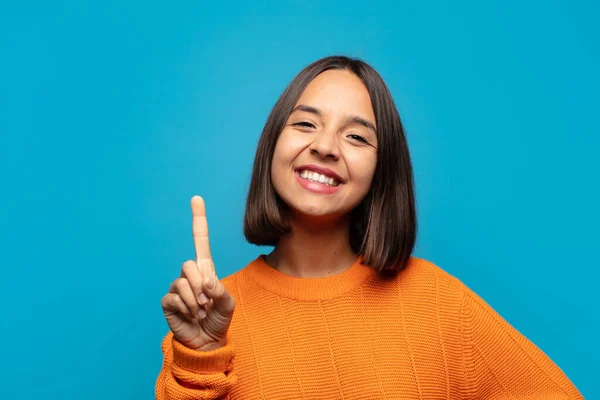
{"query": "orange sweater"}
{"type": "Point", "coordinates": [356, 335]}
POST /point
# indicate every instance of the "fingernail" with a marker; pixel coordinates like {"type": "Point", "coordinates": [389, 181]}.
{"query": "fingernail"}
{"type": "Point", "coordinates": [210, 282]}
{"type": "Point", "coordinates": [201, 313]}
{"type": "Point", "coordinates": [202, 299]}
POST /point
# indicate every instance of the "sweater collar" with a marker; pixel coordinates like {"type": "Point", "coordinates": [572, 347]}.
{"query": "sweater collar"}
{"type": "Point", "coordinates": [308, 289]}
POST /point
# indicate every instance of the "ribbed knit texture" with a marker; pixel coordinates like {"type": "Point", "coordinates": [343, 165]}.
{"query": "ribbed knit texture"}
{"type": "Point", "coordinates": [357, 335]}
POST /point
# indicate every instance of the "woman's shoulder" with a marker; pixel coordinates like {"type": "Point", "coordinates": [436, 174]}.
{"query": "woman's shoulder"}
{"type": "Point", "coordinates": [425, 276]}
{"type": "Point", "coordinates": [423, 269]}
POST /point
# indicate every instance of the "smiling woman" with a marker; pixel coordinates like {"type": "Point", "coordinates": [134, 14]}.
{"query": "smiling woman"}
{"type": "Point", "coordinates": [339, 308]}
{"type": "Point", "coordinates": [322, 141]}
{"type": "Point", "coordinates": [336, 118]}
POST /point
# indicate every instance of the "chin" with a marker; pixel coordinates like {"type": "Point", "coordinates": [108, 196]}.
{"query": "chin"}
{"type": "Point", "coordinates": [317, 211]}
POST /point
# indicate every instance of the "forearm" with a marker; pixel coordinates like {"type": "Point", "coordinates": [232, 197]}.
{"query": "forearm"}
{"type": "Point", "coordinates": [192, 374]}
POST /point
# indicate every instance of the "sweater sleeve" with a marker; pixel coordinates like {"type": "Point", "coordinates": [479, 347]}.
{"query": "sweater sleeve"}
{"type": "Point", "coordinates": [191, 374]}
{"type": "Point", "coordinates": [501, 363]}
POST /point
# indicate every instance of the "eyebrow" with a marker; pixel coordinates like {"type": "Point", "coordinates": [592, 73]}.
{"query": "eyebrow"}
{"type": "Point", "coordinates": [351, 119]}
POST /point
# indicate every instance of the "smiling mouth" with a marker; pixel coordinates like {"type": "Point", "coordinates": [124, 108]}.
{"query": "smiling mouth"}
{"type": "Point", "coordinates": [318, 178]}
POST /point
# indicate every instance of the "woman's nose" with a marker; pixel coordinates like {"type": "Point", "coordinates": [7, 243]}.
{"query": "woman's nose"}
{"type": "Point", "coordinates": [325, 145]}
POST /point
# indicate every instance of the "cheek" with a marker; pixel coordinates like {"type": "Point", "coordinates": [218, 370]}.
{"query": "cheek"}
{"type": "Point", "coordinates": [276, 168]}
{"type": "Point", "coordinates": [363, 169]}
{"type": "Point", "coordinates": [283, 156]}
{"type": "Point", "coordinates": [287, 149]}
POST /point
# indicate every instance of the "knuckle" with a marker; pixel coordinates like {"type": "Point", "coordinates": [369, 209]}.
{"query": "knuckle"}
{"type": "Point", "coordinates": [181, 284]}
{"type": "Point", "coordinates": [164, 302]}
{"type": "Point", "coordinates": [188, 266]}
{"type": "Point", "coordinates": [179, 303]}
{"type": "Point", "coordinates": [170, 301]}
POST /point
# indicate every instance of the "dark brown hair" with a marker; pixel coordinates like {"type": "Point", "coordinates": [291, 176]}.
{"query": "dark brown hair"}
{"type": "Point", "coordinates": [383, 227]}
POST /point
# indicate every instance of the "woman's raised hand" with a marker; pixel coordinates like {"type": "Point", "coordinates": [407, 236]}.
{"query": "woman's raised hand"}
{"type": "Point", "coordinates": [198, 308]}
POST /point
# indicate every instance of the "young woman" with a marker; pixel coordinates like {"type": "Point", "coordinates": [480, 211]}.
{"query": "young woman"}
{"type": "Point", "coordinates": [339, 309]}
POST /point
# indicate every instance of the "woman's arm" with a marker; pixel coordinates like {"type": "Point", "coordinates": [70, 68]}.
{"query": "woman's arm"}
{"type": "Point", "coordinates": [192, 374]}
{"type": "Point", "coordinates": [501, 363]}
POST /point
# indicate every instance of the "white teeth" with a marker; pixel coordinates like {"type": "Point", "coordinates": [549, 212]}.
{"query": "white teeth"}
{"type": "Point", "coordinates": [315, 177]}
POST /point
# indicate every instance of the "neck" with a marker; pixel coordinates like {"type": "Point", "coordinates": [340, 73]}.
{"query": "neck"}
{"type": "Point", "coordinates": [314, 249]}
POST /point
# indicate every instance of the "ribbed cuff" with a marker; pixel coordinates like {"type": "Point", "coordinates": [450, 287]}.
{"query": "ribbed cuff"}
{"type": "Point", "coordinates": [207, 362]}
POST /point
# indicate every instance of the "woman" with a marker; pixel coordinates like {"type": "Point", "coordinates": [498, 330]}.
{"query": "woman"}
{"type": "Point", "coordinates": [339, 309]}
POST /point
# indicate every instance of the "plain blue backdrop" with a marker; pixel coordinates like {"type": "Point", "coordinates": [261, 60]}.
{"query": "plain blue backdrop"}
{"type": "Point", "coordinates": [113, 116]}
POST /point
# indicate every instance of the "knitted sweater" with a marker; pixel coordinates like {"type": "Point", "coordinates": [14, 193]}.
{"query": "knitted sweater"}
{"type": "Point", "coordinates": [421, 334]}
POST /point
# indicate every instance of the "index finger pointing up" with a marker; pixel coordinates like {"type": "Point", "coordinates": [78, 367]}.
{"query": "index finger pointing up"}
{"type": "Point", "coordinates": [200, 232]}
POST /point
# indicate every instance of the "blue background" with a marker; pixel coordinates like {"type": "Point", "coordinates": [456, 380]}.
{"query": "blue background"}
{"type": "Point", "coordinates": [113, 116]}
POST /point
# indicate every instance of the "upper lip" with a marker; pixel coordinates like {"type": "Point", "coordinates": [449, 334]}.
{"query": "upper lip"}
{"type": "Point", "coordinates": [321, 170]}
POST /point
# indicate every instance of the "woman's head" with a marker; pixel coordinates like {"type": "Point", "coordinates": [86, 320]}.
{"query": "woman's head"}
{"type": "Point", "coordinates": [336, 119]}
{"type": "Point", "coordinates": [329, 136]}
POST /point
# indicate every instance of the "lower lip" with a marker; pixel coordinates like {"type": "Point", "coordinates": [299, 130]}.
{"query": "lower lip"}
{"type": "Point", "coordinates": [317, 187]}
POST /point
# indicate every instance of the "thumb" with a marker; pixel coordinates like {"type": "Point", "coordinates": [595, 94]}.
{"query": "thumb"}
{"type": "Point", "coordinates": [223, 303]}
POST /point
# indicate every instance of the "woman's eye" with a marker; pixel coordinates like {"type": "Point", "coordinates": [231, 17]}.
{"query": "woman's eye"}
{"type": "Point", "coordinates": [358, 137]}
{"type": "Point", "coordinates": [304, 124]}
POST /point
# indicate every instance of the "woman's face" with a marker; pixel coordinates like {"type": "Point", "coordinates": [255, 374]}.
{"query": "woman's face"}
{"type": "Point", "coordinates": [326, 154]}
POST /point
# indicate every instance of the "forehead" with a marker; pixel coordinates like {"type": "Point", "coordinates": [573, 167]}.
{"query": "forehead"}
{"type": "Point", "coordinates": [338, 91]}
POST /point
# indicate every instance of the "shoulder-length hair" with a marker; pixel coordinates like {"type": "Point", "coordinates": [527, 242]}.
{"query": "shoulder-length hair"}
{"type": "Point", "coordinates": [383, 226]}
